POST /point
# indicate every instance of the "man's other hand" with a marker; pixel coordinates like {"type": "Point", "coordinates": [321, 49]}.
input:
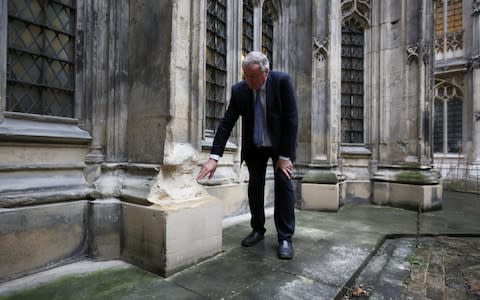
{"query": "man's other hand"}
{"type": "Point", "coordinates": [208, 168]}
{"type": "Point", "coordinates": [285, 166]}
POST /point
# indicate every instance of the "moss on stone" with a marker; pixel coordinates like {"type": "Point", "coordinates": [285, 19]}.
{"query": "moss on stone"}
{"type": "Point", "coordinates": [320, 177]}
{"type": "Point", "coordinates": [414, 177]}
{"type": "Point", "coordinates": [106, 284]}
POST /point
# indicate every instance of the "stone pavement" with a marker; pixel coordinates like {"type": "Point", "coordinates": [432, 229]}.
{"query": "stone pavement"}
{"type": "Point", "coordinates": [360, 252]}
{"type": "Point", "coordinates": [442, 267]}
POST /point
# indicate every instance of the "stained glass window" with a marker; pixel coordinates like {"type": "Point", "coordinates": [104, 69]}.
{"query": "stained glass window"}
{"type": "Point", "coordinates": [352, 83]}
{"type": "Point", "coordinates": [40, 57]}
{"type": "Point", "coordinates": [216, 63]}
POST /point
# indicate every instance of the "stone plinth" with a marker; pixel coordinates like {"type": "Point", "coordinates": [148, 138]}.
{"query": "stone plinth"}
{"type": "Point", "coordinates": [321, 191]}
{"type": "Point", "coordinates": [321, 197]}
{"type": "Point", "coordinates": [409, 196]}
{"type": "Point", "coordinates": [407, 189]}
{"type": "Point", "coordinates": [167, 238]}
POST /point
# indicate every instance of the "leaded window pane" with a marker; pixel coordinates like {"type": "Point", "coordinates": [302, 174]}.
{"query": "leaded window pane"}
{"type": "Point", "coordinates": [267, 31]}
{"type": "Point", "coordinates": [40, 57]}
{"type": "Point", "coordinates": [352, 105]}
{"type": "Point", "coordinates": [247, 30]}
{"type": "Point", "coordinates": [454, 125]}
{"type": "Point", "coordinates": [216, 63]}
{"type": "Point", "coordinates": [439, 17]}
{"type": "Point", "coordinates": [454, 15]}
{"type": "Point", "coordinates": [438, 126]}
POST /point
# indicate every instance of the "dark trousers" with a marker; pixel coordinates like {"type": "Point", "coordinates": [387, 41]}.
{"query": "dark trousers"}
{"type": "Point", "coordinates": [284, 213]}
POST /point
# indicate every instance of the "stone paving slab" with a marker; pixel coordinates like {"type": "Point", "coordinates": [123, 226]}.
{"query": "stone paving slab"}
{"type": "Point", "coordinates": [335, 252]}
{"type": "Point", "coordinates": [441, 267]}
{"type": "Point", "coordinates": [114, 282]}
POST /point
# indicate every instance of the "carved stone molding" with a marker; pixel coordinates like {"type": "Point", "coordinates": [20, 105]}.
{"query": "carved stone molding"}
{"type": "Point", "coordinates": [476, 7]}
{"type": "Point", "coordinates": [320, 49]}
{"type": "Point", "coordinates": [474, 62]}
{"type": "Point", "coordinates": [418, 52]}
{"type": "Point", "coordinates": [426, 54]}
{"type": "Point", "coordinates": [358, 10]}
{"type": "Point", "coordinates": [412, 53]}
{"type": "Point", "coordinates": [454, 42]}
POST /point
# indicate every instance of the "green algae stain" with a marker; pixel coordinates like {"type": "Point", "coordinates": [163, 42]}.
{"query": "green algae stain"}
{"type": "Point", "coordinates": [107, 284]}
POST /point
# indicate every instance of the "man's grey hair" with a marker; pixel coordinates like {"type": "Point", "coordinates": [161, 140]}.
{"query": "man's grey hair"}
{"type": "Point", "coordinates": [256, 58]}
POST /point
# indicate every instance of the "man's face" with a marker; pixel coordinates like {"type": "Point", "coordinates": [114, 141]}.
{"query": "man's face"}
{"type": "Point", "coordinates": [254, 77]}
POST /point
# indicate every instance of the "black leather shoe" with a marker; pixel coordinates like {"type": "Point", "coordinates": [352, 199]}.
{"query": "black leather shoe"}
{"type": "Point", "coordinates": [251, 239]}
{"type": "Point", "coordinates": [285, 250]}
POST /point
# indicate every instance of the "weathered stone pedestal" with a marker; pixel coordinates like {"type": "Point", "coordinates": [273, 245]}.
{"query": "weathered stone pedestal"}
{"type": "Point", "coordinates": [408, 189]}
{"type": "Point", "coordinates": [321, 191]}
{"type": "Point", "coordinates": [167, 220]}
{"type": "Point", "coordinates": [165, 239]}
{"type": "Point", "coordinates": [181, 227]}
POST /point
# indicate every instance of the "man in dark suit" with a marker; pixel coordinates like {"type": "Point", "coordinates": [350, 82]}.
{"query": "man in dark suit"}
{"type": "Point", "coordinates": [266, 101]}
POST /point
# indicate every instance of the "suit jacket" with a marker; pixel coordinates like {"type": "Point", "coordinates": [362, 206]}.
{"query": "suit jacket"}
{"type": "Point", "coordinates": [282, 117]}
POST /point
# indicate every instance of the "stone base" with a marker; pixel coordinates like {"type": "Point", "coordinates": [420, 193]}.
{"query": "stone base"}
{"type": "Point", "coordinates": [233, 197]}
{"type": "Point", "coordinates": [321, 197]}
{"type": "Point", "coordinates": [166, 239]}
{"type": "Point", "coordinates": [104, 229]}
{"type": "Point", "coordinates": [409, 196]}
{"type": "Point", "coordinates": [38, 237]}
{"type": "Point", "coordinates": [357, 192]}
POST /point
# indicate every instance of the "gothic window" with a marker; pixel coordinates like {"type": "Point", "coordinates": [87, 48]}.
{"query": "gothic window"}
{"type": "Point", "coordinates": [267, 31]}
{"type": "Point", "coordinates": [247, 32]}
{"type": "Point", "coordinates": [438, 126]}
{"type": "Point", "coordinates": [448, 25]}
{"type": "Point", "coordinates": [352, 83]}
{"type": "Point", "coordinates": [40, 57]}
{"type": "Point", "coordinates": [447, 133]}
{"type": "Point", "coordinates": [216, 63]}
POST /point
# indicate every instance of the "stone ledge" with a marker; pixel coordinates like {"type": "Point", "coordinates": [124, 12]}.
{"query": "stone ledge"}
{"type": "Point", "coordinates": [33, 128]}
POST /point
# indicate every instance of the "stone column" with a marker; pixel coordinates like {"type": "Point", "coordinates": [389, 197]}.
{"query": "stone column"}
{"type": "Point", "coordinates": [3, 56]}
{"type": "Point", "coordinates": [96, 74]}
{"type": "Point", "coordinates": [474, 68]}
{"type": "Point", "coordinates": [404, 149]}
{"type": "Point", "coordinates": [324, 177]}
{"type": "Point", "coordinates": [178, 223]}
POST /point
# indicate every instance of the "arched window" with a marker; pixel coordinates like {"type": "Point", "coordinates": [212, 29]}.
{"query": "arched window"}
{"type": "Point", "coordinates": [40, 57]}
{"type": "Point", "coordinates": [216, 63]}
{"type": "Point", "coordinates": [352, 94]}
{"type": "Point", "coordinates": [448, 107]}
